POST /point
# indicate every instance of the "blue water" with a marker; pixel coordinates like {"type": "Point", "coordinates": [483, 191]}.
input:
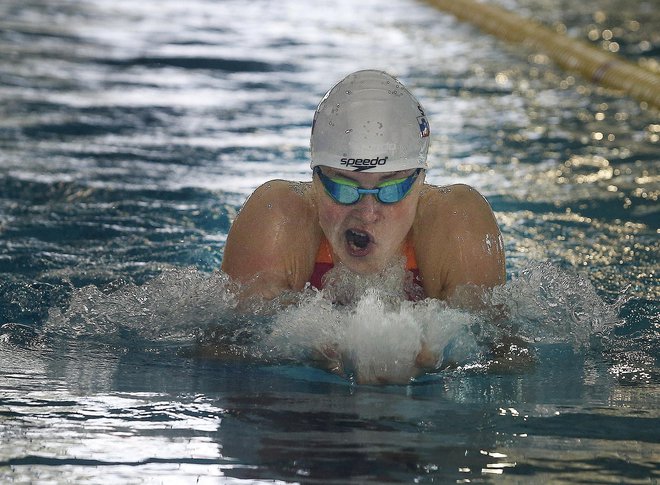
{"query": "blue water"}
{"type": "Point", "coordinates": [132, 132]}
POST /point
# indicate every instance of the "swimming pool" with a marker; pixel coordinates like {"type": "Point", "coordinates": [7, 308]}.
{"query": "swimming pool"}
{"type": "Point", "coordinates": [130, 135]}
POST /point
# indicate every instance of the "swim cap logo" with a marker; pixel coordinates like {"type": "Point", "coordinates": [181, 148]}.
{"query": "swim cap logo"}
{"type": "Point", "coordinates": [361, 164]}
{"type": "Point", "coordinates": [424, 128]}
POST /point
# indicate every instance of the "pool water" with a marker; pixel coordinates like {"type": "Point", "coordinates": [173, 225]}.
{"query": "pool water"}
{"type": "Point", "coordinates": [132, 132]}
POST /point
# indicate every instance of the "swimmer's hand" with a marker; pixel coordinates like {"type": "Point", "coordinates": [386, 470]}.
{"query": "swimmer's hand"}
{"type": "Point", "coordinates": [329, 358]}
{"type": "Point", "coordinates": [426, 359]}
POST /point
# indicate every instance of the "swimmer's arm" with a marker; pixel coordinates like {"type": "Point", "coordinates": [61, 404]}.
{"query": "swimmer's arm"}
{"type": "Point", "coordinates": [462, 252]}
{"type": "Point", "coordinates": [460, 257]}
{"type": "Point", "coordinates": [267, 249]}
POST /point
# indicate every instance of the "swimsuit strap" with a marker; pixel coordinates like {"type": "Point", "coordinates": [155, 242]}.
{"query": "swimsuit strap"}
{"type": "Point", "coordinates": [324, 254]}
{"type": "Point", "coordinates": [409, 251]}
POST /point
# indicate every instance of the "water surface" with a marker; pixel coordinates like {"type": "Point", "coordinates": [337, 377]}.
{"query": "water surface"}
{"type": "Point", "coordinates": [130, 135]}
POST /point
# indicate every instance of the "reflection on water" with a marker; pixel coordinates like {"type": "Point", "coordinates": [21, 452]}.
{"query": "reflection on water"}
{"type": "Point", "coordinates": [131, 133]}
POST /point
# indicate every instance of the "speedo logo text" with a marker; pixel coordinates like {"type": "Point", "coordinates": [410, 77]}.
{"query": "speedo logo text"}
{"type": "Point", "coordinates": [363, 162]}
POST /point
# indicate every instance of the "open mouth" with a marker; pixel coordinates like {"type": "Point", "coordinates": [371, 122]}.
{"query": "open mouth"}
{"type": "Point", "coordinates": [358, 241]}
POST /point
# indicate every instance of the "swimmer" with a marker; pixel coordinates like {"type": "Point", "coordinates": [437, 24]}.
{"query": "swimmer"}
{"type": "Point", "coordinates": [367, 205]}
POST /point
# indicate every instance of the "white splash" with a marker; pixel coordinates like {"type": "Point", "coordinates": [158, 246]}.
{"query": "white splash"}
{"type": "Point", "coordinates": [365, 328]}
{"type": "Point", "coordinates": [360, 327]}
{"type": "Point", "coordinates": [173, 306]}
{"type": "Point", "coordinates": [373, 340]}
{"type": "Point", "coordinates": [546, 304]}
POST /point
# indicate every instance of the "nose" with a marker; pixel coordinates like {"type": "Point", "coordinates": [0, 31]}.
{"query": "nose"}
{"type": "Point", "coordinates": [368, 208]}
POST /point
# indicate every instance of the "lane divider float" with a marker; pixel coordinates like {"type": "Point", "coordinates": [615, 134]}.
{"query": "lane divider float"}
{"type": "Point", "coordinates": [596, 65]}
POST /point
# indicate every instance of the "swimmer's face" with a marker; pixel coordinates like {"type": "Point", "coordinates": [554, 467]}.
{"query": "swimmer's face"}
{"type": "Point", "coordinates": [367, 235]}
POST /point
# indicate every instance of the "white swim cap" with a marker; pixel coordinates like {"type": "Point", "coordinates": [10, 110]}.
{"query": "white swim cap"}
{"type": "Point", "coordinates": [370, 122]}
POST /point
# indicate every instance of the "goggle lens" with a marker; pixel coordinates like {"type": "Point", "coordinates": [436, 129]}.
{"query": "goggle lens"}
{"type": "Point", "coordinates": [347, 192]}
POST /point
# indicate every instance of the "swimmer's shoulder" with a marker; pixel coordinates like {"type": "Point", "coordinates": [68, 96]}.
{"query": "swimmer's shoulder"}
{"type": "Point", "coordinates": [451, 227]}
{"type": "Point", "coordinates": [274, 236]}
{"type": "Point", "coordinates": [449, 218]}
{"type": "Point", "coordinates": [286, 212]}
{"type": "Point", "coordinates": [451, 203]}
{"type": "Point", "coordinates": [283, 199]}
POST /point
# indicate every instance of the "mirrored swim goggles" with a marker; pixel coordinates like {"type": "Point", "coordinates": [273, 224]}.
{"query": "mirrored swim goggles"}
{"type": "Point", "coordinates": [348, 192]}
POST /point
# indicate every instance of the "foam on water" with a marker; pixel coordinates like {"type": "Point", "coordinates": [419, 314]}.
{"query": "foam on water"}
{"type": "Point", "coordinates": [170, 308]}
{"type": "Point", "coordinates": [551, 305]}
{"type": "Point", "coordinates": [360, 327]}
{"type": "Point", "coordinates": [374, 340]}
{"type": "Point", "coordinates": [365, 328]}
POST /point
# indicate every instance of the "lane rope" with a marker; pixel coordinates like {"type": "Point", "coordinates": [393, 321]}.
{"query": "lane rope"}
{"type": "Point", "coordinates": [595, 65]}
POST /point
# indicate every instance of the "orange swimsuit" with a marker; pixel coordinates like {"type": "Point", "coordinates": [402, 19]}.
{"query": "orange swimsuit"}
{"type": "Point", "coordinates": [324, 263]}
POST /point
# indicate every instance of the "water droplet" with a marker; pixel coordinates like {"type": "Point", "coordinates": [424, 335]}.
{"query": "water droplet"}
{"type": "Point", "coordinates": [489, 244]}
